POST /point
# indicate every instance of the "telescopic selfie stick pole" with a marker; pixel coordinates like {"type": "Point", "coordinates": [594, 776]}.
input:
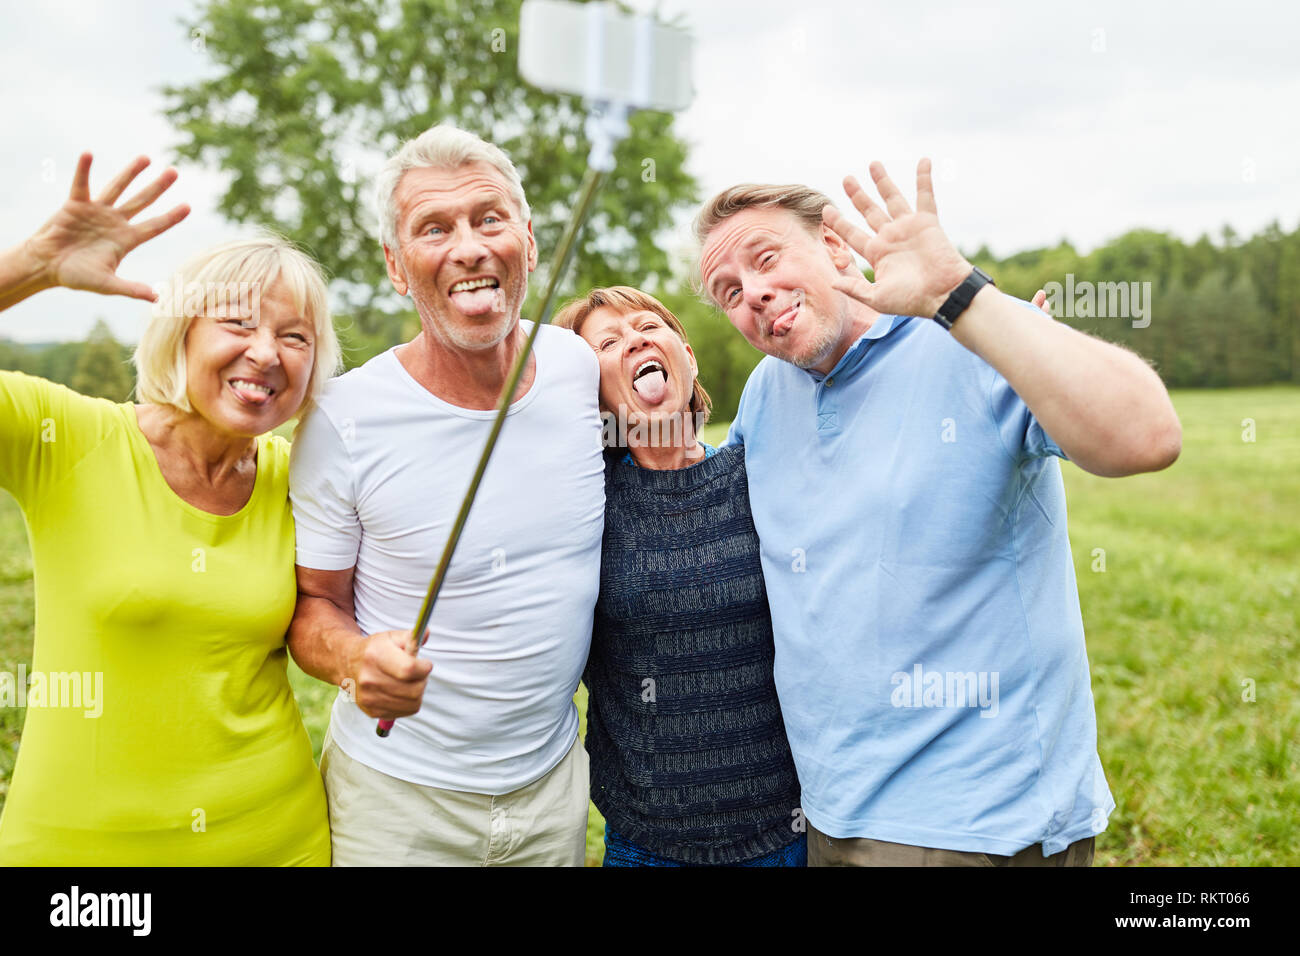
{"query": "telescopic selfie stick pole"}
{"type": "Point", "coordinates": [606, 125]}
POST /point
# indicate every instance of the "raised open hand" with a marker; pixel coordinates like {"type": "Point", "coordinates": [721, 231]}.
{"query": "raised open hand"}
{"type": "Point", "coordinates": [916, 266]}
{"type": "Point", "coordinates": [85, 241]}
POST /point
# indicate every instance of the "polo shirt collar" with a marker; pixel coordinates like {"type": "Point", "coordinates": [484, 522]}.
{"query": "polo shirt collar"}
{"type": "Point", "coordinates": [857, 352]}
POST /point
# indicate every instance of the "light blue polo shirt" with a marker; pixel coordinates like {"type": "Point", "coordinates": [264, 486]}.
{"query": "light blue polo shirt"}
{"type": "Point", "coordinates": [930, 659]}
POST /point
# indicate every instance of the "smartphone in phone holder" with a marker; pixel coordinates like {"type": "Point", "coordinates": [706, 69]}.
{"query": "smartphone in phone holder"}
{"type": "Point", "coordinates": [617, 61]}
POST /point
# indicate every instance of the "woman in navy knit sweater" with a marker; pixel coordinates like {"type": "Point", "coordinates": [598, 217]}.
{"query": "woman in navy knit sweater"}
{"type": "Point", "coordinates": [689, 759]}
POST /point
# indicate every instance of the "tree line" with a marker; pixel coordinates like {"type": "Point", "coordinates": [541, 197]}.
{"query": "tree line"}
{"type": "Point", "coordinates": [100, 366]}
{"type": "Point", "coordinates": [1217, 314]}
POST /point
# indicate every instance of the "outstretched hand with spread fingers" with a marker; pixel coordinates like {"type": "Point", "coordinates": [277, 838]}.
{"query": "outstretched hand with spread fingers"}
{"type": "Point", "coordinates": [85, 241]}
{"type": "Point", "coordinates": [916, 266]}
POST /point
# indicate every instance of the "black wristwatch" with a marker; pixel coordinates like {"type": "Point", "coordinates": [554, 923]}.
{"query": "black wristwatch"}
{"type": "Point", "coordinates": [956, 303]}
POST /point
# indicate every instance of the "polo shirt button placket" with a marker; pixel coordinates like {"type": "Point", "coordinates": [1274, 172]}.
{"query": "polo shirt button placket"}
{"type": "Point", "coordinates": [827, 418]}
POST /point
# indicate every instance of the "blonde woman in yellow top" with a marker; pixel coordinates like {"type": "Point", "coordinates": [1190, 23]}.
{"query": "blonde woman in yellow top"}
{"type": "Point", "coordinates": [165, 732]}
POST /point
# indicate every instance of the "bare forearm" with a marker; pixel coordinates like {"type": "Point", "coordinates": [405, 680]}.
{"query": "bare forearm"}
{"type": "Point", "coordinates": [324, 640]}
{"type": "Point", "coordinates": [21, 275]}
{"type": "Point", "coordinates": [1104, 406]}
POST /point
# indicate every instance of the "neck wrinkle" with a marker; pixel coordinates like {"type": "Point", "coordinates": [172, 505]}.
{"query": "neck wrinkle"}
{"type": "Point", "coordinates": [192, 439]}
{"type": "Point", "coordinates": [671, 457]}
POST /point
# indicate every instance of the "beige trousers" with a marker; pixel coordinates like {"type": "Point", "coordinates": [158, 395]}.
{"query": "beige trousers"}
{"type": "Point", "coordinates": [378, 820]}
{"type": "Point", "coordinates": [824, 850]}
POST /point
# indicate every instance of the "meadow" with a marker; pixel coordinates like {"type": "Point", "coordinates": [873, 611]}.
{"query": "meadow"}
{"type": "Point", "coordinates": [1189, 581]}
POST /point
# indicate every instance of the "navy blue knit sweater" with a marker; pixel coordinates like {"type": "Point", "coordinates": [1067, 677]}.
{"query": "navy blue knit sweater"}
{"type": "Point", "coordinates": [689, 757]}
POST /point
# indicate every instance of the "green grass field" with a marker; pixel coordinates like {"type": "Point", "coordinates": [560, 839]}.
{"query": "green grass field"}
{"type": "Point", "coordinates": [1192, 633]}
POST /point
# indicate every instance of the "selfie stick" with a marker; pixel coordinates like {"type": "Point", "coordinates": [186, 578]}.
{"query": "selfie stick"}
{"type": "Point", "coordinates": [606, 125]}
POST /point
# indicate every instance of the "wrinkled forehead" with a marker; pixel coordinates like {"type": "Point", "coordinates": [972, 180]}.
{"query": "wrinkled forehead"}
{"type": "Point", "coordinates": [603, 318]}
{"type": "Point", "coordinates": [470, 184]}
{"type": "Point", "coordinates": [741, 234]}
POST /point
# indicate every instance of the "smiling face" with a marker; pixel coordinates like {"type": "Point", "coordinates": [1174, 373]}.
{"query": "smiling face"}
{"type": "Point", "coordinates": [646, 371]}
{"type": "Point", "coordinates": [772, 278]}
{"type": "Point", "coordinates": [246, 377]}
{"type": "Point", "coordinates": [464, 253]}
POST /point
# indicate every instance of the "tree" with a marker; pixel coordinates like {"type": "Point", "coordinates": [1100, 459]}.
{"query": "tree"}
{"type": "Point", "coordinates": [58, 362]}
{"type": "Point", "coordinates": [1198, 260]}
{"type": "Point", "coordinates": [1288, 304]}
{"type": "Point", "coordinates": [101, 368]}
{"type": "Point", "coordinates": [1253, 356]}
{"type": "Point", "coordinates": [311, 97]}
{"type": "Point", "coordinates": [14, 357]}
{"type": "Point", "coordinates": [1171, 332]}
{"type": "Point", "coordinates": [1210, 324]}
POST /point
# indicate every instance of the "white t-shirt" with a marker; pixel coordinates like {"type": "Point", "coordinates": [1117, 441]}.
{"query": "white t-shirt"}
{"type": "Point", "coordinates": [378, 473]}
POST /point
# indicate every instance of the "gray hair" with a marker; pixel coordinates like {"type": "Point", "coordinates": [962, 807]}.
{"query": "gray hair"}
{"type": "Point", "coordinates": [439, 147]}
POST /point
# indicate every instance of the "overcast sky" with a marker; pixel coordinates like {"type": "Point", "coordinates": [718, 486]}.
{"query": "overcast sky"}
{"type": "Point", "coordinates": [1044, 121]}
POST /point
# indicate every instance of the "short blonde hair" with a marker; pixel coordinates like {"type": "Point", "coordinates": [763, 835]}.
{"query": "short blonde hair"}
{"type": "Point", "coordinates": [440, 147]}
{"type": "Point", "coordinates": [624, 299]}
{"type": "Point", "coordinates": [161, 375]}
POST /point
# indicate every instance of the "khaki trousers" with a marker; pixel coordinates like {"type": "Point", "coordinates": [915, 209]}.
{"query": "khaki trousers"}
{"type": "Point", "coordinates": [378, 820]}
{"type": "Point", "coordinates": [824, 850]}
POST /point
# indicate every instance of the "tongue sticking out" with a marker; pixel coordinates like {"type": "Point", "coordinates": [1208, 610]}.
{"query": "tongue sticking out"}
{"type": "Point", "coordinates": [254, 396]}
{"type": "Point", "coordinates": [478, 301]}
{"type": "Point", "coordinates": [786, 319]}
{"type": "Point", "coordinates": [651, 387]}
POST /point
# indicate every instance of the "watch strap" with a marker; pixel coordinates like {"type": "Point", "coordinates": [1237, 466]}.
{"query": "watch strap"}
{"type": "Point", "coordinates": [961, 297]}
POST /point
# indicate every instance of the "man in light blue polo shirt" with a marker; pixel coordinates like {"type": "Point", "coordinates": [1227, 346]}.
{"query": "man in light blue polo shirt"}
{"type": "Point", "coordinates": [930, 656]}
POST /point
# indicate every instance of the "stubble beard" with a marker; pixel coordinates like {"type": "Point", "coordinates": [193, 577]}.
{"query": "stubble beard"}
{"type": "Point", "coordinates": [814, 353]}
{"type": "Point", "coordinates": [466, 333]}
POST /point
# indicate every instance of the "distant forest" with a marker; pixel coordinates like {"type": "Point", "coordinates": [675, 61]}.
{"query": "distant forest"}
{"type": "Point", "coordinates": [99, 366]}
{"type": "Point", "coordinates": [1220, 314]}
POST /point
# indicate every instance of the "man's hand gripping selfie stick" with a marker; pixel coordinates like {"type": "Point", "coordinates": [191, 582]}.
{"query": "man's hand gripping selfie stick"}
{"type": "Point", "coordinates": [608, 109]}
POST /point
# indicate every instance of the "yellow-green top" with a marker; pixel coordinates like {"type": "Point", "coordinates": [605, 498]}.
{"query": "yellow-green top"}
{"type": "Point", "coordinates": [191, 751]}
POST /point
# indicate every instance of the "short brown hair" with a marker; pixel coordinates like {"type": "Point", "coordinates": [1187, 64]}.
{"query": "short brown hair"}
{"type": "Point", "coordinates": [803, 202]}
{"type": "Point", "coordinates": [624, 299]}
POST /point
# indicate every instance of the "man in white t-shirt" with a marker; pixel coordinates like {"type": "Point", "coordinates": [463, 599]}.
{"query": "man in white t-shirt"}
{"type": "Point", "coordinates": [484, 765]}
